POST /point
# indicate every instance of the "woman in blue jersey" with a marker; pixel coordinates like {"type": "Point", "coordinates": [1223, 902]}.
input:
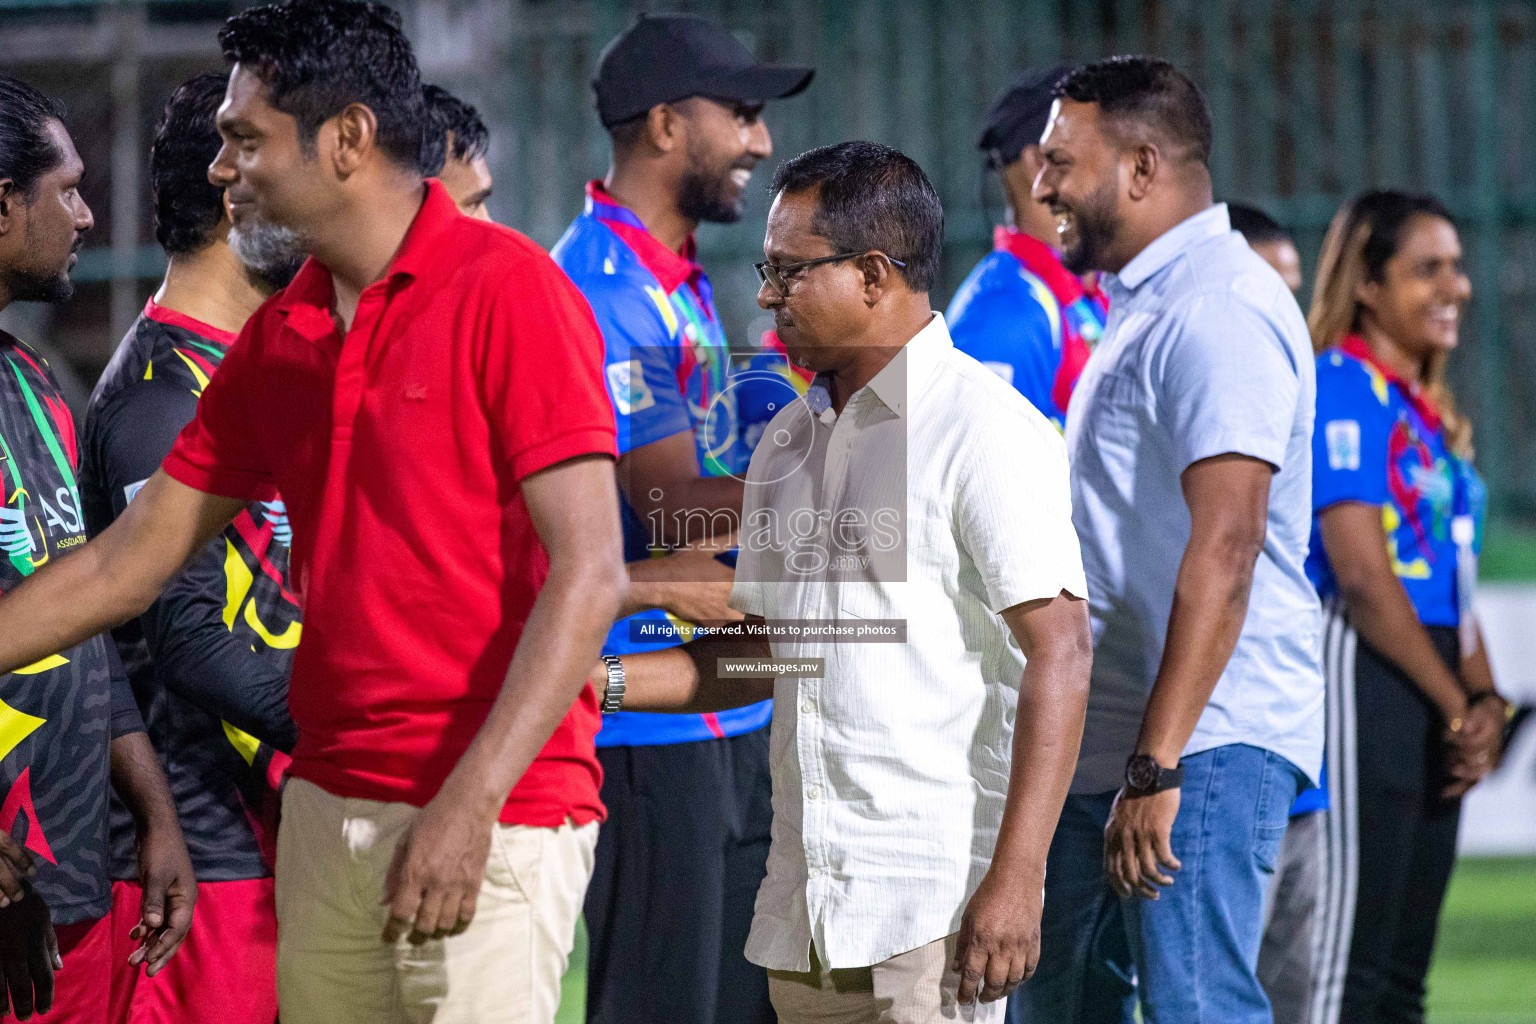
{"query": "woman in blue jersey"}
{"type": "Point", "coordinates": [1413, 718]}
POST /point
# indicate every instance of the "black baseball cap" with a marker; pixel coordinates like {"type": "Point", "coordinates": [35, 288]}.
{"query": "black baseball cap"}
{"type": "Point", "coordinates": [664, 58]}
{"type": "Point", "coordinates": [1019, 116]}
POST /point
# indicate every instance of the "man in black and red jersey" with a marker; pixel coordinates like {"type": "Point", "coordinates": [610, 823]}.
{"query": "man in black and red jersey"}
{"type": "Point", "coordinates": [68, 721]}
{"type": "Point", "coordinates": [209, 661]}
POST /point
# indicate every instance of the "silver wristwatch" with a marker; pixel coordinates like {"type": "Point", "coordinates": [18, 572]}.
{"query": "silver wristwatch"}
{"type": "Point", "coordinates": [613, 693]}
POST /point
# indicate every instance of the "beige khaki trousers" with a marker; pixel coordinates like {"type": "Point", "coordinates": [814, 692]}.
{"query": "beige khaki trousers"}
{"type": "Point", "coordinates": [332, 856]}
{"type": "Point", "coordinates": [916, 987]}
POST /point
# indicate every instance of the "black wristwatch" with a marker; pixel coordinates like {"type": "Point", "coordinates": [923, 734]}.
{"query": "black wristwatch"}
{"type": "Point", "coordinates": [1144, 776]}
{"type": "Point", "coordinates": [613, 693]}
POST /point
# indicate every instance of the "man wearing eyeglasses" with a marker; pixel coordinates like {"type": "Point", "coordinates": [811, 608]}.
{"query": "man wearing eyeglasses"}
{"type": "Point", "coordinates": [684, 845]}
{"type": "Point", "coordinates": [908, 556]}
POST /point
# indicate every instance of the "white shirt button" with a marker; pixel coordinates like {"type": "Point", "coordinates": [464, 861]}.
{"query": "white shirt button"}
{"type": "Point", "coordinates": [814, 793]}
{"type": "Point", "coordinates": [808, 706]}
{"type": "Point", "coordinates": [813, 872]}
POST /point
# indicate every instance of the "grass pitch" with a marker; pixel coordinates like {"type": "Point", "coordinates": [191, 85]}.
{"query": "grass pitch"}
{"type": "Point", "coordinates": [1485, 961]}
{"type": "Point", "coordinates": [1484, 970]}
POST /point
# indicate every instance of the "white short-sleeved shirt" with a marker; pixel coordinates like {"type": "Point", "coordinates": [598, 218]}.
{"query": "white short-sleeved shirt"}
{"type": "Point", "coordinates": [890, 773]}
{"type": "Point", "coordinates": [1205, 354]}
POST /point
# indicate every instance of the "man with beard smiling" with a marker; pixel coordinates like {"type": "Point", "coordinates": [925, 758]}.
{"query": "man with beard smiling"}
{"type": "Point", "coordinates": [683, 850]}
{"type": "Point", "coordinates": [1025, 316]}
{"type": "Point", "coordinates": [209, 661]}
{"type": "Point", "coordinates": [1189, 436]}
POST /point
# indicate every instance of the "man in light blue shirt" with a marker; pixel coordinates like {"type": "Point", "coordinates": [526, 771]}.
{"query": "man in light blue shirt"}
{"type": "Point", "coordinates": [1190, 440]}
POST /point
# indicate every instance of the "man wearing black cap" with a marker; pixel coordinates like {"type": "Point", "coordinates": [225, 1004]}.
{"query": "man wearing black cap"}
{"type": "Point", "coordinates": [684, 848]}
{"type": "Point", "coordinates": [1020, 312]}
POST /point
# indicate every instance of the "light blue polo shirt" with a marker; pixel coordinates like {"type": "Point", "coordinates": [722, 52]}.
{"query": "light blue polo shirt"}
{"type": "Point", "coordinates": [1205, 354]}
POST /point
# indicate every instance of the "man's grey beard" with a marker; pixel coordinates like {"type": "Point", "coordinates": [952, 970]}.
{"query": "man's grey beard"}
{"type": "Point", "coordinates": [271, 254]}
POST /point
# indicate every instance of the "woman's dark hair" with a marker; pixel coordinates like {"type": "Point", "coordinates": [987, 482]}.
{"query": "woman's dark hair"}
{"type": "Point", "coordinates": [1365, 234]}
{"type": "Point", "coordinates": [318, 56]}
{"type": "Point", "coordinates": [870, 196]}
{"type": "Point", "coordinates": [187, 206]}
{"type": "Point", "coordinates": [447, 113]}
{"type": "Point", "coordinates": [27, 151]}
{"type": "Point", "coordinates": [1387, 212]}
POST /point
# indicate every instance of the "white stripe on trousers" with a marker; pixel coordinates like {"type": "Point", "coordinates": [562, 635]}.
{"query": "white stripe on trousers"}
{"type": "Point", "coordinates": [1341, 843]}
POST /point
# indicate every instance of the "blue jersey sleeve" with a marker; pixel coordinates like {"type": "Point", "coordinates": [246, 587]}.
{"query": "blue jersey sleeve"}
{"type": "Point", "coordinates": [1349, 439]}
{"type": "Point", "coordinates": [641, 360]}
{"type": "Point", "coordinates": [1010, 323]}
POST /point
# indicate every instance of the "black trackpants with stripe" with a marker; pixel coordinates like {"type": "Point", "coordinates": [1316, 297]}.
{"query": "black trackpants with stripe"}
{"type": "Point", "coordinates": [1391, 839]}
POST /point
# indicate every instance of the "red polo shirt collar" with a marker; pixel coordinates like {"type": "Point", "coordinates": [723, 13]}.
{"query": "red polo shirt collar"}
{"type": "Point", "coordinates": [671, 269]}
{"type": "Point", "coordinates": [308, 299]}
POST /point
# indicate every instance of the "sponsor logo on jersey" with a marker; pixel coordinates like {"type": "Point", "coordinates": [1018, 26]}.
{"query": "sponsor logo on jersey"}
{"type": "Point", "coordinates": [626, 382]}
{"type": "Point", "coordinates": [1343, 437]}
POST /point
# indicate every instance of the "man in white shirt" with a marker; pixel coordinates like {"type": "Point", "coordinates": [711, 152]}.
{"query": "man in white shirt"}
{"type": "Point", "coordinates": [1190, 437]}
{"type": "Point", "coordinates": [910, 496]}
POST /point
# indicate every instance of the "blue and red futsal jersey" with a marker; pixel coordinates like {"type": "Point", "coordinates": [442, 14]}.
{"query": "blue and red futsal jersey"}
{"type": "Point", "coordinates": [58, 715]}
{"type": "Point", "coordinates": [1028, 319]}
{"type": "Point", "coordinates": [1380, 441]}
{"type": "Point", "coordinates": [668, 370]}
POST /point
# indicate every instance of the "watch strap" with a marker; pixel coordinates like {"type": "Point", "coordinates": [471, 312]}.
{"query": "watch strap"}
{"type": "Point", "coordinates": [613, 693]}
{"type": "Point", "coordinates": [1169, 778]}
{"type": "Point", "coordinates": [1140, 766]}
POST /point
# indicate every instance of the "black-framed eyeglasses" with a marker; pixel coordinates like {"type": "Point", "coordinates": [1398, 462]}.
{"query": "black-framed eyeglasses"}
{"type": "Point", "coordinates": [774, 273]}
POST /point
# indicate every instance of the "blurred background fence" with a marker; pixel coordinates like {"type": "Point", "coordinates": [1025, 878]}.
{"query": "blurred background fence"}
{"type": "Point", "coordinates": [1313, 101]}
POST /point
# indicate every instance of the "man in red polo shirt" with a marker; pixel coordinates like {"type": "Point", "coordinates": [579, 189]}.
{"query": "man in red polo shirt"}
{"type": "Point", "coordinates": [427, 398]}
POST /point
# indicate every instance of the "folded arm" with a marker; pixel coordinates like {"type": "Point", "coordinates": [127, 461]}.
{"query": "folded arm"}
{"type": "Point", "coordinates": [198, 657]}
{"type": "Point", "coordinates": [1380, 610]}
{"type": "Point", "coordinates": [664, 486]}
{"type": "Point", "coordinates": [1378, 606]}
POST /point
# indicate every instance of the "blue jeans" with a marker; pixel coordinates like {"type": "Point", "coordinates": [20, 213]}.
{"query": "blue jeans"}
{"type": "Point", "coordinates": [1192, 953]}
